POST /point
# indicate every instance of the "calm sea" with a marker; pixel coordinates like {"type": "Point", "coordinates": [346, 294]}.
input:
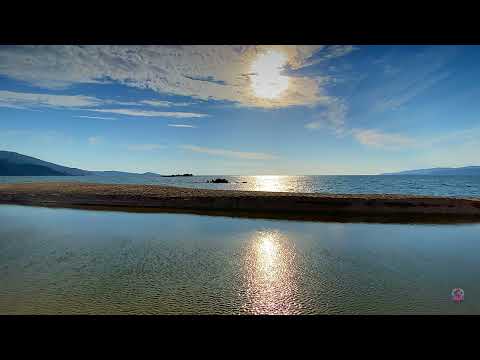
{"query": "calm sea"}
{"type": "Point", "coordinates": [465, 186]}
{"type": "Point", "coordinates": [103, 262]}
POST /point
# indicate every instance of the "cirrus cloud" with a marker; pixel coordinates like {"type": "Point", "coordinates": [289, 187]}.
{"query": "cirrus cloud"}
{"type": "Point", "coordinates": [181, 126]}
{"type": "Point", "coordinates": [147, 113]}
{"type": "Point", "coordinates": [22, 100]}
{"type": "Point", "coordinates": [332, 118]}
{"type": "Point", "coordinates": [95, 117]}
{"type": "Point", "coordinates": [229, 153]}
{"type": "Point", "coordinates": [380, 139]}
{"type": "Point", "coordinates": [161, 103]}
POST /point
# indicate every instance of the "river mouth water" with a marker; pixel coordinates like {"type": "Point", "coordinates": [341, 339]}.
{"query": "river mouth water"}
{"type": "Point", "coordinates": [71, 261]}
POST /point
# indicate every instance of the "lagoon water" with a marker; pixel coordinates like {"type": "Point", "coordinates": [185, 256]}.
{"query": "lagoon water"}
{"type": "Point", "coordinates": [67, 261]}
{"type": "Point", "coordinates": [460, 186]}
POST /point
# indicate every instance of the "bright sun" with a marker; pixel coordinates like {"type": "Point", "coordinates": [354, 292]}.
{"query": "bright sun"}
{"type": "Point", "coordinates": [267, 81]}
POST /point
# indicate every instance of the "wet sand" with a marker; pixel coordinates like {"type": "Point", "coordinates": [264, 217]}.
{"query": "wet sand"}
{"type": "Point", "coordinates": [278, 205]}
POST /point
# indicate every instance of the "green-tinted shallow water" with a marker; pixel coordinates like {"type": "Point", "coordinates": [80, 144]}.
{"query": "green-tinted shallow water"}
{"type": "Point", "coordinates": [62, 261]}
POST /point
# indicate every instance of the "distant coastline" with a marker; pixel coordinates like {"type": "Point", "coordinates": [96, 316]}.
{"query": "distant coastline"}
{"type": "Point", "coordinates": [15, 164]}
{"type": "Point", "coordinates": [466, 170]}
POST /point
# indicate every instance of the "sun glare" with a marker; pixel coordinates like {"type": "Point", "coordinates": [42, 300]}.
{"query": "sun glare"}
{"type": "Point", "coordinates": [270, 274]}
{"type": "Point", "coordinates": [266, 80]}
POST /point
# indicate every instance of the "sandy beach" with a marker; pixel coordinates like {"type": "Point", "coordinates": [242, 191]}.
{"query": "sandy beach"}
{"type": "Point", "coordinates": [240, 203]}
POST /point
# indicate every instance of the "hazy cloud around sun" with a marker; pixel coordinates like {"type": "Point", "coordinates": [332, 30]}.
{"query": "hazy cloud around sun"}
{"type": "Point", "coordinates": [201, 72]}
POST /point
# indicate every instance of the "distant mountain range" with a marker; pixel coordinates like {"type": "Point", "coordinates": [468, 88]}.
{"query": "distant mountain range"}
{"type": "Point", "coordinates": [15, 164]}
{"type": "Point", "coordinates": [467, 170]}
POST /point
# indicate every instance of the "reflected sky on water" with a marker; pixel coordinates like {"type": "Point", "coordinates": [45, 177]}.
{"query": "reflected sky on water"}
{"type": "Point", "coordinates": [65, 261]}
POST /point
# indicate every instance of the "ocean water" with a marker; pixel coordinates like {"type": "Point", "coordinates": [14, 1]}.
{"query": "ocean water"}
{"type": "Point", "coordinates": [66, 261]}
{"type": "Point", "coordinates": [459, 186]}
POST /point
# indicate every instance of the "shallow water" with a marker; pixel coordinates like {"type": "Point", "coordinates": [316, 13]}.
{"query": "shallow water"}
{"type": "Point", "coordinates": [65, 261]}
{"type": "Point", "coordinates": [464, 186]}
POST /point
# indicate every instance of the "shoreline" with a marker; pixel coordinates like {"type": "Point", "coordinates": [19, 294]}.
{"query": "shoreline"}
{"type": "Point", "coordinates": [252, 204]}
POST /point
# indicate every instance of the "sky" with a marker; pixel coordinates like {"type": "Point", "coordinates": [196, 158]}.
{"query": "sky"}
{"type": "Point", "coordinates": [242, 110]}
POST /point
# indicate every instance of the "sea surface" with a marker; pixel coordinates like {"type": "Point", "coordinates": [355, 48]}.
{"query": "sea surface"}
{"type": "Point", "coordinates": [67, 261]}
{"type": "Point", "coordinates": [458, 186]}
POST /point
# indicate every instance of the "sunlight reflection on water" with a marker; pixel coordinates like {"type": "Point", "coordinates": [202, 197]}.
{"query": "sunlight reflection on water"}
{"type": "Point", "coordinates": [270, 274]}
{"type": "Point", "coordinates": [271, 183]}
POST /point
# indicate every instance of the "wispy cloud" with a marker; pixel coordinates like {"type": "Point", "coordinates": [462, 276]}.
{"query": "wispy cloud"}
{"type": "Point", "coordinates": [229, 153]}
{"type": "Point", "coordinates": [403, 96]}
{"type": "Point", "coordinates": [164, 103]}
{"type": "Point", "coordinates": [335, 51]}
{"type": "Point", "coordinates": [95, 117]}
{"type": "Point", "coordinates": [145, 147]}
{"type": "Point", "coordinates": [406, 78]}
{"type": "Point", "coordinates": [379, 139]}
{"type": "Point", "coordinates": [328, 53]}
{"type": "Point", "coordinates": [9, 105]}
{"type": "Point", "coordinates": [26, 101]}
{"type": "Point", "coordinates": [176, 70]}
{"type": "Point", "coordinates": [332, 118]}
{"type": "Point", "coordinates": [23, 100]}
{"type": "Point", "coordinates": [95, 140]}
{"type": "Point", "coordinates": [181, 126]}
{"type": "Point", "coordinates": [129, 112]}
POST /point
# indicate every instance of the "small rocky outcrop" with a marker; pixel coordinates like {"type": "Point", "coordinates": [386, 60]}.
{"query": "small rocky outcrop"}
{"type": "Point", "coordinates": [218, 181]}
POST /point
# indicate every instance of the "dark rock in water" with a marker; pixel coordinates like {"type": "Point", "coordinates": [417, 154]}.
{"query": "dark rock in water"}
{"type": "Point", "coordinates": [218, 181]}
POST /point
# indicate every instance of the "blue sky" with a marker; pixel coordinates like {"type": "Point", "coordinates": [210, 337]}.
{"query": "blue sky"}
{"type": "Point", "coordinates": [243, 110]}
